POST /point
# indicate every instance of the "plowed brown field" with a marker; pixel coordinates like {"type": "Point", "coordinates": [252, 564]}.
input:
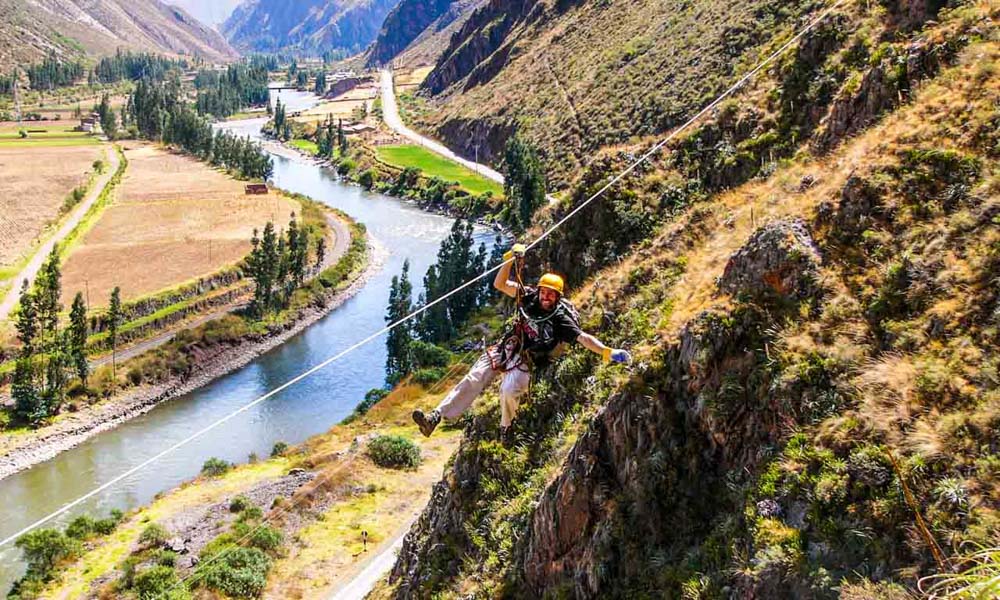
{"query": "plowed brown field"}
{"type": "Point", "coordinates": [34, 182]}
{"type": "Point", "coordinates": [175, 219]}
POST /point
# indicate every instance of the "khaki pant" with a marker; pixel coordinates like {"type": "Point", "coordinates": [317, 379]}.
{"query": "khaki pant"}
{"type": "Point", "coordinates": [513, 385]}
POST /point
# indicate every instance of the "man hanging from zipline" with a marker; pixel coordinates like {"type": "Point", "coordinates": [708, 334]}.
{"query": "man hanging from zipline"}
{"type": "Point", "coordinates": [543, 321]}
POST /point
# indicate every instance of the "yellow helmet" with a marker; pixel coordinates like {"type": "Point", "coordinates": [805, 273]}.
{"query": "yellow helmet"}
{"type": "Point", "coordinates": [551, 281]}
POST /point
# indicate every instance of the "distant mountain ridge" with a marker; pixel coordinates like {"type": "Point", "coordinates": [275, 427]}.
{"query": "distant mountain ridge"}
{"type": "Point", "coordinates": [417, 32]}
{"type": "Point", "coordinates": [306, 26]}
{"type": "Point", "coordinates": [33, 29]}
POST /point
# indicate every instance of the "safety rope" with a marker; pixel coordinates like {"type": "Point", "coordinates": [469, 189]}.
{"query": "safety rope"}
{"type": "Point", "coordinates": [642, 159]}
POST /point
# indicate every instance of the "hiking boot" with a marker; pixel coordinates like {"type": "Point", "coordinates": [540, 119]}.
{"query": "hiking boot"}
{"type": "Point", "coordinates": [507, 438]}
{"type": "Point", "coordinates": [426, 422]}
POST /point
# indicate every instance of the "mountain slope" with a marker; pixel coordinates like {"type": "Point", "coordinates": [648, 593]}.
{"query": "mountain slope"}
{"type": "Point", "coordinates": [32, 29]}
{"type": "Point", "coordinates": [417, 32]}
{"type": "Point", "coordinates": [574, 76]}
{"type": "Point", "coordinates": [816, 345]}
{"type": "Point", "coordinates": [306, 26]}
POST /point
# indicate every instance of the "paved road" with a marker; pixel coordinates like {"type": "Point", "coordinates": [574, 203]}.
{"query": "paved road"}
{"type": "Point", "coordinates": [374, 571]}
{"type": "Point", "coordinates": [35, 264]}
{"type": "Point", "coordinates": [342, 240]}
{"type": "Point", "coordinates": [390, 113]}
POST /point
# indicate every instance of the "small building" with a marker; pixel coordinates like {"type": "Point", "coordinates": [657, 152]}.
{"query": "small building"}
{"type": "Point", "coordinates": [358, 128]}
{"type": "Point", "coordinates": [88, 124]}
{"type": "Point", "coordinates": [256, 189]}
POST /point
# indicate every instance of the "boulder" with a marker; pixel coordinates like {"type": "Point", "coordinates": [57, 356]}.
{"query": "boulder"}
{"type": "Point", "coordinates": [779, 260]}
{"type": "Point", "coordinates": [860, 204]}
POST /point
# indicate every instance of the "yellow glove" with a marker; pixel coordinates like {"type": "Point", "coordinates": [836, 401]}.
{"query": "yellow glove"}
{"type": "Point", "coordinates": [517, 250]}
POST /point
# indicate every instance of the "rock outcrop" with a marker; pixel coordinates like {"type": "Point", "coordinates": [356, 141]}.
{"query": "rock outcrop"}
{"type": "Point", "coordinates": [780, 260]}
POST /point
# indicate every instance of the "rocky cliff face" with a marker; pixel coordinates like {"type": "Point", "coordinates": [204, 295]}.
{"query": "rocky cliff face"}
{"type": "Point", "coordinates": [306, 26]}
{"type": "Point", "coordinates": [404, 24]}
{"type": "Point", "coordinates": [808, 343]}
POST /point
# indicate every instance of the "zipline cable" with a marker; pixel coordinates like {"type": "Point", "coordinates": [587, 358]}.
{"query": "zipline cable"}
{"type": "Point", "coordinates": [645, 157]}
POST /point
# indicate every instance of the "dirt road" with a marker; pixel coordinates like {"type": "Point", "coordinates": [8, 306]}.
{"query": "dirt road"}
{"type": "Point", "coordinates": [35, 264]}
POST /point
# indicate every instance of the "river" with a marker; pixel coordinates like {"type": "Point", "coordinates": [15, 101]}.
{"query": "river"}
{"type": "Point", "coordinates": [311, 406]}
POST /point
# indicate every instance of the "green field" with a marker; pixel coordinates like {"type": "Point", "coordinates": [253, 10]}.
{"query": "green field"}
{"type": "Point", "coordinates": [434, 165]}
{"type": "Point", "coordinates": [47, 141]}
{"type": "Point", "coordinates": [306, 146]}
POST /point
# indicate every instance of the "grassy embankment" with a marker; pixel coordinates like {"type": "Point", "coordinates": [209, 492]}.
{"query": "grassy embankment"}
{"type": "Point", "coordinates": [435, 165]}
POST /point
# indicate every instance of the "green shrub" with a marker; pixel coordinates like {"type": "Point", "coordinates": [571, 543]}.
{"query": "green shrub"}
{"type": "Point", "coordinates": [367, 179]}
{"type": "Point", "coordinates": [154, 535]}
{"type": "Point", "coordinates": [346, 166]}
{"type": "Point", "coordinates": [251, 513]}
{"type": "Point", "coordinates": [267, 539]}
{"type": "Point", "coordinates": [394, 452]}
{"type": "Point", "coordinates": [426, 355]}
{"type": "Point", "coordinates": [81, 528]}
{"type": "Point", "coordinates": [167, 558]}
{"type": "Point", "coordinates": [279, 449]}
{"type": "Point", "coordinates": [154, 583]}
{"type": "Point", "coordinates": [215, 467]}
{"type": "Point", "coordinates": [373, 397]}
{"type": "Point", "coordinates": [429, 376]}
{"type": "Point", "coordinates": [239, 504]}
{"type": "Point", "coordinates": [44, 549]}
{"type": "Point", "coordinates": [240, 573]}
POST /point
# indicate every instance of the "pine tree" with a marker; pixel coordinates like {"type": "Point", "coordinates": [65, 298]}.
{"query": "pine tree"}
{"type": "Point", "coordinates": [283, 281]}
{"type": "Point", "coordinates": [27, 321]}
{"type": "Point", "coordinates": [496, 257]}
{"type": "Point", "coordinates": [524, 183]}
{"type": "Point", "coordinates": [114, 320]}
{"type": "Point", "coordinates": [320, 253]}
{"type": "Point", "coordinates": [435, 325]}
{"type": "Point", "coordinates": [56, 377]}
{"type": "Point", "coordinates": [398, 362]}
{"type": "Point", "coordinates": [49, 289]}
{"type": "Point", "coordinates": [262, 267]}
{"type": "Point", "coordinates": [77, 338]}
{"type": "Point", "coordinates": [109, 123]}
{"type": "Point", "coordinates": [341, 138]}
{"type": "Point", "coordinates": [24, 391]}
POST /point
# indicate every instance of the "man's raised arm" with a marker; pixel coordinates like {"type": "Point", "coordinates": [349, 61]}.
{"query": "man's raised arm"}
{"type": "Point", "coordinates": [502, 281]}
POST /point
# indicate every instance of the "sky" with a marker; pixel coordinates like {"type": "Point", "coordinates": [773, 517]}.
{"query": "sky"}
{"type": "Point", "coordinates": [209, 12]}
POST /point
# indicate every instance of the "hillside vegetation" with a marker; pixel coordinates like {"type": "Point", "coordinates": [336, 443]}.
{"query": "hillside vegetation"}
{"type": "Point", "coordinates": [814, 405]}
{"type": "Point", "coordinates": [574, 76]}
{"type": "Point", "coordinates": [31, 30]}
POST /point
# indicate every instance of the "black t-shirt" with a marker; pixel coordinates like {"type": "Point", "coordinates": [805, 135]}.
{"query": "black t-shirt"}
{"type": "Point", "coordinates": [544, 330]}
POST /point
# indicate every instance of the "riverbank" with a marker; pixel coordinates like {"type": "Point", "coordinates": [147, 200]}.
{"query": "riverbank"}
{"type": "Point", "coordinates": [344, 511]}
{"type": "Point", "coordinates": [24, 449]}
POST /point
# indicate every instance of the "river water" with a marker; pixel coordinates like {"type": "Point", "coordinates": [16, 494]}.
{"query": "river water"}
{"type": "Point", "coordinates": [311, 406]}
